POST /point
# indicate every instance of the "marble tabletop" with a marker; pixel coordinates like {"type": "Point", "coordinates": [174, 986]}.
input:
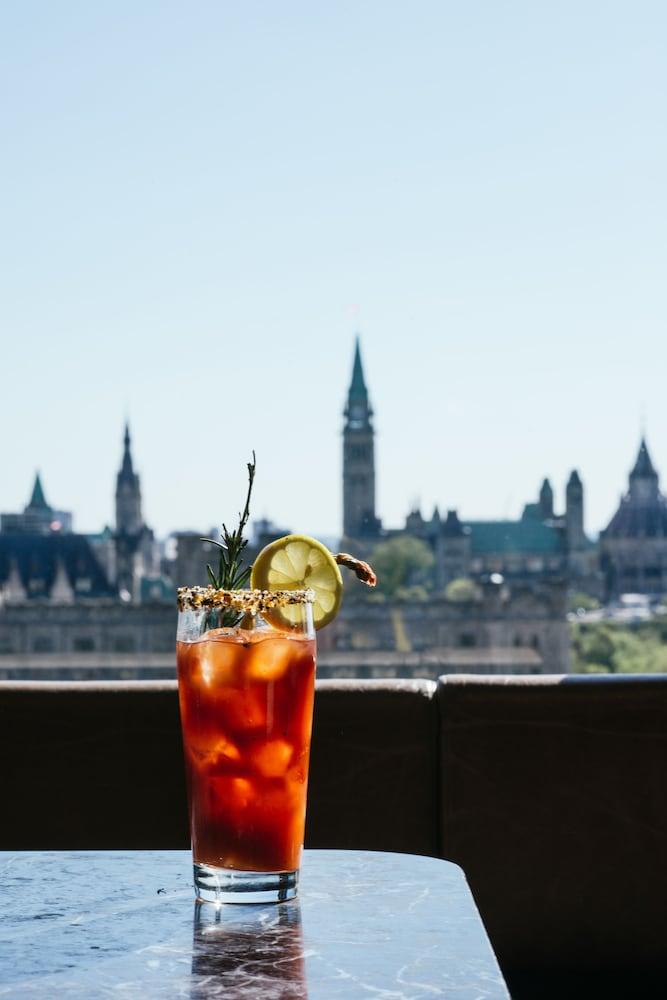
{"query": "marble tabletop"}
{"type": "Point", "coordinates": [115, 924]}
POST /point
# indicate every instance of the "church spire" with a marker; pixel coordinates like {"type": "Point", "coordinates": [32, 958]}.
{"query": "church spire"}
{"type": "Point", "coordinates": [546, 501]}
{"type": "Point", "coordinates": [359, 519]}
{"type": "Point", "coordinates": [643, 478]}
{"type": "Point", "coordinates": [130, 527]}
{"type": "Point", "coordinates": [37, 499]}
{"type": "Point", "coordinates": [129, 520]}
{"type": "Point", "coordinates": [357, 385]}
{"type": "Point", "coordinates": [126, 469]}
{"type": "Point", "coordinates": [643, 467]}
{"type": "Point", "coordinates": [358, 412]}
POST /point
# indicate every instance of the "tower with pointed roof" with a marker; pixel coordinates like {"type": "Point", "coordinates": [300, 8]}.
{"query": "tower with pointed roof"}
{"type": "Point", "coordinates": [546, 501]}
{"type": "Point", "coordinates": [37, 499]}
{"type": "Point", "coordinates": [359, 518]}
{"type": "Point", "coordinates": [38, 517]}
{"type": "Point", "coordinates": [574, 513]}
{"type": "Point", "coordinates": [129, 520]}
{"type": "Point", "coordinates": [643, 480]}
{"type": "Point", "coordinates": [633, 546]}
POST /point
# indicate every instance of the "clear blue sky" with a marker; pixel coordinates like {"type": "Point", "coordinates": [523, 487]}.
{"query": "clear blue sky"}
{"type": "Point", "coordinates": [201, 202]}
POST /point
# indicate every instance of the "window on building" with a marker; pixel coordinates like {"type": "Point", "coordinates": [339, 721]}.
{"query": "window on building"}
{"type": "Point", "coordinates": [83, 644]}
{"type": "Point", "coordinates": [162, 644]}
{"type": "Point", "coordinates": [124, 644]}
{"type": "Point", "coordinates": [43, 644]}
{"type": "Point", "coordinates": [467, 640]}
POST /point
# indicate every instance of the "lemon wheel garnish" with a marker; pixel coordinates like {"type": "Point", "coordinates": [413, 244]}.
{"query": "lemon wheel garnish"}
{"type": "Point", "coordinates": [297, 562]}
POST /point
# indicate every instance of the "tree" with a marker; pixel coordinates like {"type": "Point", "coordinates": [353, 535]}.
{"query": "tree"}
{"type": "Point", "coordinates": [401, 562]}
{"type": "Point", "coordinates": [579, 601]}
{"type": "Point", "coordinates": [610, 647]}
{"type": "Point", "coordinates": [460, 590]}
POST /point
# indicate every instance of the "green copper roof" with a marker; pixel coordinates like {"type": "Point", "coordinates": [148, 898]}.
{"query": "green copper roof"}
{"type": "Point", "coordinates": [527, 535]}
{"type": "Point", "coordinates": [38, 499]}
{"type": "Point", "coordinates": [357, 385]}
{"type": "Point", "coordinates": [532, 510]}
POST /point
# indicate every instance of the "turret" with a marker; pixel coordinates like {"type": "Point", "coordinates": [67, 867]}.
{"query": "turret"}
{"type": "Point", "coordinates": [546, 501]}
{"type": "Point", "coordinates": [129, 521]}
{"type": "Point", "coordinates": [574, 512]}
{"type": "Point", "coordinates": [37, 500]}
{"type": "Point", "coordinates": [644, 486]}
{"type": "Point", "coordinates": [128, 493]}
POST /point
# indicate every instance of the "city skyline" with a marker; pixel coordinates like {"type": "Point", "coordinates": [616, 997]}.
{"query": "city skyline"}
{"type": "Point", "coordinates": [203, 209]}
{"type": "Point", "coordinates": [356, 372]}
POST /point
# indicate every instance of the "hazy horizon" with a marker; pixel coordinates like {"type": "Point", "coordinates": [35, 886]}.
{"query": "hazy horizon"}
{"type": "Point", "coordinates": [205, 204]}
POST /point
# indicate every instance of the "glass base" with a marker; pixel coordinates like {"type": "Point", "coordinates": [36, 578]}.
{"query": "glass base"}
{"type": "Point", "coordinates": [227, 885]}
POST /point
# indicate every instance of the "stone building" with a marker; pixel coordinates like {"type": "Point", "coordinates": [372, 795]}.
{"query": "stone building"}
{"type": "Point", "coordinates": [539, 545]}
{"type": "Point", "coordinates": [89, 626]}
{"type": "Point", "coordinates": [502, 626]}
{"type": "Point", "coordinates": [633, 546]}
{"type": "Point", "coordinates": [500, 629]}
{"type": "Point", "coordinates": [194, 550]}
{"type": "Point", "coordinates": [57, 568]}
{"type": "Point", "coordinates": [133, 541]}
{"type": "Point", "coordinates": [41, 557]}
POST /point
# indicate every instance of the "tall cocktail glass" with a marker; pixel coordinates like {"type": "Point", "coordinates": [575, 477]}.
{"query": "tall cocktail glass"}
{"type": "Point", "coordinates": [246, 700]}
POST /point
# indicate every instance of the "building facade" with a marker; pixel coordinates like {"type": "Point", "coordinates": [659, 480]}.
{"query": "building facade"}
{"type": "Point", "coordinates": [502, 627]}
{"type": "Point", "coordinates": [133, 541]}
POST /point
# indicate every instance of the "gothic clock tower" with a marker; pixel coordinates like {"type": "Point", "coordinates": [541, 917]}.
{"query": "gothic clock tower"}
{"type": "Point", "coordinates": [359, 520]}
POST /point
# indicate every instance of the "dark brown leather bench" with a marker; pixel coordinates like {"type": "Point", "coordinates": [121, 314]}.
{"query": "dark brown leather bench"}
{"type": "Point", "coordinates": [91, 765]}
{"type": "Point", "coordinates": [374, 767]}
{"type": "Point", "coordinates": [554, 802]}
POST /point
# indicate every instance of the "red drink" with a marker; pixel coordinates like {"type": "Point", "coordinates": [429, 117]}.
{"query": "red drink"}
{"type": "Point", "coordinates": [246, 701]}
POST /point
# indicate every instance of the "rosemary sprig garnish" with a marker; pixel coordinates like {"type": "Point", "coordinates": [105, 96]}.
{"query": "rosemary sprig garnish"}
{"type": "Point", "coordinates": [232, 575]}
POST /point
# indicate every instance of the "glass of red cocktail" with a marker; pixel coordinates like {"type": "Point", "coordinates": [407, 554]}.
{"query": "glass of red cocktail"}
{"type": "Point", "coordinates": [246, 700]}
